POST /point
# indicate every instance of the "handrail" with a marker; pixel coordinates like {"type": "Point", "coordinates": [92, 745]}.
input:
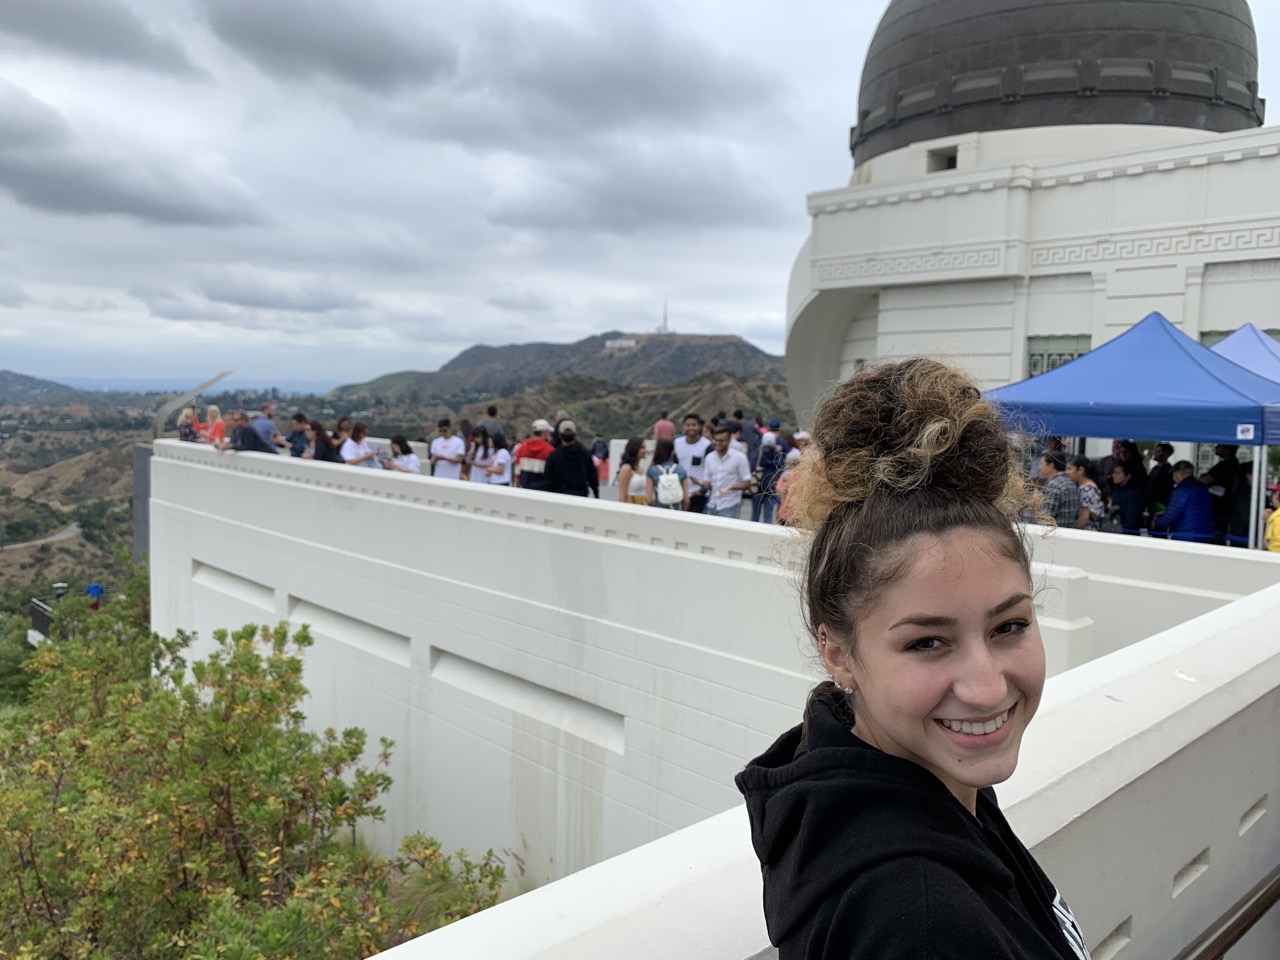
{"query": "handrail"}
{"type": "Point", "coordinates": [1236, 922]}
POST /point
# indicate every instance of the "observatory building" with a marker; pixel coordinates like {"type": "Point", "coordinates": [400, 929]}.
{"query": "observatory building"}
{"type": "Point", "coordinates": [1032, 178]}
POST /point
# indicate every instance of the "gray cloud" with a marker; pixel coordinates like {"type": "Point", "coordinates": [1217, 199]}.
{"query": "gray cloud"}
{"type": "Point", "coordinates": [244, 287]}
{"type": "Point", "coordinates": [90, 305]}
{"type": "Point", "coordinates": [45, 165]}
{"type": "Point", "coordinates": [356, 43]}
{"type": "Point", "coordinates": [635, 193]}
{"type": "Point", "coordinates": [534, 85]}
{"type": "Point", "coordinates": [12, 295]}
{"type": "Point", "coordinates": [520, 302]}
{"type": "Point", "coordinates": [101, 30]}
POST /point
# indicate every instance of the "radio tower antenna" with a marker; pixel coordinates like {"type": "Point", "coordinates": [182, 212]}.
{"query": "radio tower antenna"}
{"type": "Point", "coordinates": [666, 327]}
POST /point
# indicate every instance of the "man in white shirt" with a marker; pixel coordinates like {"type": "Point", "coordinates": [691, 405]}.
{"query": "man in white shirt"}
{"type": "Point", "coordinates": [729, 474]}
{"type": "Point", "coordinates": [691, 453]}
{"type": "Point", "coordinates": [447, 453]}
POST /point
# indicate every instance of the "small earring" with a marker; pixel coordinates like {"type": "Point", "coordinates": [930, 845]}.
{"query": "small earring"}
{"type": "Point", "coordinates": [848, 691]}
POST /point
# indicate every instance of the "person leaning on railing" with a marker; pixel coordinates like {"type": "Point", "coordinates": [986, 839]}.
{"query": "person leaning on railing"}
{"type": "Point", "coordinates": [874, 820]}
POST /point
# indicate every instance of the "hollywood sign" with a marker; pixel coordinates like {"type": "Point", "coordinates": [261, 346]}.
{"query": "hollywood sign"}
{"type": "Point", "coordinates": [627, 343]}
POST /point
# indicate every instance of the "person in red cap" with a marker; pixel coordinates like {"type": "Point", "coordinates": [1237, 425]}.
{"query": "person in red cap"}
{"type": "Point", "coordinates": [531, 458]}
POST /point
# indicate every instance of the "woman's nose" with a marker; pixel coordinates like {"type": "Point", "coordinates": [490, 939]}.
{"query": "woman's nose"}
{"type": "Point", "coordinates": [980, 679]}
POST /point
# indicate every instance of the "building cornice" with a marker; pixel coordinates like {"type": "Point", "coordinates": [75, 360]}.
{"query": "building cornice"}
{"type": "Point", "coordinates": [1229, 148]}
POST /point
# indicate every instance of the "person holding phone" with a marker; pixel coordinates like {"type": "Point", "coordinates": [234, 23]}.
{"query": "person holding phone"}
{"type": "Point", "coordinates": [402, 457]}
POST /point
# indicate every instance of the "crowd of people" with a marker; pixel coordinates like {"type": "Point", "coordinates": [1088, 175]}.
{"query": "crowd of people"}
{"type": "Point", "coordinates": [1126, 493]}
{"type": "Point", "coordinates": [717, 466]}
{"type": "Point", "coordinates": [710, 467]}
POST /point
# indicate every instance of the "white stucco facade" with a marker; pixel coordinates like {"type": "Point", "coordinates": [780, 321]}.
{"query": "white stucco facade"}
{"type": "Point", "coordinates": [1072, 233]}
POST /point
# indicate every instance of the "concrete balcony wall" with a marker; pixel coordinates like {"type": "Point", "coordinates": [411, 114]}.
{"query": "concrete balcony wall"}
{"type": "Point", "coordinates": [564, 679]}
{"type": "Point", "coordinates": [1147, 789]}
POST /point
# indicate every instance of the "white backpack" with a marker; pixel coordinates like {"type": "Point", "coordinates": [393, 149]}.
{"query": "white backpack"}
{"type": "Point", "coordinates": [670, 490]}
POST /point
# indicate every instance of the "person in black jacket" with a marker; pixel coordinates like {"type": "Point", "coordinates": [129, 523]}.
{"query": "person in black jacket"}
{"type": "Point", "coordinates": [570, 468]}
{"type": "Point", "coordinates": [877, 830]}
{"type": "Point", "coordinates": [1126, 499]}
{"type": "Point", "coordinates": [244, 438]}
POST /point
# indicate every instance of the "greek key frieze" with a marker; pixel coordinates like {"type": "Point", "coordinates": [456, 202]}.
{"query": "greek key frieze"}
{"type": "Point", "coordinates": [953, 261]}
{"type": "Point", "coordinates": [1155, 246]}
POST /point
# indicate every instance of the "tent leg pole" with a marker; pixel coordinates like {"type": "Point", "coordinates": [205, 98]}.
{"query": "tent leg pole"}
{"type": "Point", "coordinates": [1255, 506]}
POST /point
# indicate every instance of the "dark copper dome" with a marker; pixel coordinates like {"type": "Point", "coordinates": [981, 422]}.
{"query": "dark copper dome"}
{"type": "Point", "coordinates": [942, 67]}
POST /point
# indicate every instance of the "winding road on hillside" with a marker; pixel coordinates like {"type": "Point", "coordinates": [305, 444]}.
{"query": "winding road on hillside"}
{"type": "Point", "coordinates": [66, 533]}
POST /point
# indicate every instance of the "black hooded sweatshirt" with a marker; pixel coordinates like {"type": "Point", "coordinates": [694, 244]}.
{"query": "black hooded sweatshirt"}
{"type": "Point", "coordinates": [867, 856]}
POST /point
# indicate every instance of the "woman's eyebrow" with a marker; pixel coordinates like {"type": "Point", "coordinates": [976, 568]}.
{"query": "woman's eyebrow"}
{"type": "Point", "coordinates": [939, 620]}
{"type": "Point", "coordinates": [1012, 602]}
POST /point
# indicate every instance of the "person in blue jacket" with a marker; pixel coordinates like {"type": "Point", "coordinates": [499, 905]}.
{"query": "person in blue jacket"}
{"type": "Point", "coordinates": [1189, 515]}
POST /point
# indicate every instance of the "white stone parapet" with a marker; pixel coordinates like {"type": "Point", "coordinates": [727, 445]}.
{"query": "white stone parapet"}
{"type": "Point", "coordinates": [569, 680]}
{"type": "Point", "coordinates": [1147, 790]}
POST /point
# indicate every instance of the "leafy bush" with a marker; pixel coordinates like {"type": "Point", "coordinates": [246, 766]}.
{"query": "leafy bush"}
{"type": "Point", "coordinates": [151, 810]}
{"type": "Point", "coordinates": [14, 652]}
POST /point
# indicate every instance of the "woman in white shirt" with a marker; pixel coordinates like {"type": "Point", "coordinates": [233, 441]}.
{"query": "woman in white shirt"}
{"type": "Point", "coordinates": [499, 470]}
{"type": "Point", "coordinates": [355, 450]}
{"type": "Point", "coordinates": [402, 456]}
{"type": "Point", "coordinates": [631, 481]}
{"type": "Point", "coordinates": [480, 456]}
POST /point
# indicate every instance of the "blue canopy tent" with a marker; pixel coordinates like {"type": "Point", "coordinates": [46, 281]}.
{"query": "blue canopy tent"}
{"type": "Point", "coordinates": [1151, 381]}
{"type": "Point", "coordinates": [1253, 350]}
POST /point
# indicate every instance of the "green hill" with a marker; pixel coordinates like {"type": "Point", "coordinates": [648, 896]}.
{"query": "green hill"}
{"type": "Point", "coordinates": [20, 388]}
{"type": "Point", "coordinates": [630, 360]}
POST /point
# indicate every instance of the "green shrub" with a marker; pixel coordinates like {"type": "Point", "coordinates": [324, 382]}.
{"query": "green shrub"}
{"type": "Point", "coordinates": [153, 810]}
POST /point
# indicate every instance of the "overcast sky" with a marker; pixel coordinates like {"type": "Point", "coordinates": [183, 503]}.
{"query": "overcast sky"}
{"type": "Point", "coordinates": [328, 190]}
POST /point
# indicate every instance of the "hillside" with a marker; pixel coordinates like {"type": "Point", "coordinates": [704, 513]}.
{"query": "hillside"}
{"type": "Point", "coordinates": [102, 474]}
{"type": "Point", "coordinates": [620, 411]}
{"type": "Point", "coordinates": [20, 388]}
{"type": "Point", "coordinates": [631, 360]}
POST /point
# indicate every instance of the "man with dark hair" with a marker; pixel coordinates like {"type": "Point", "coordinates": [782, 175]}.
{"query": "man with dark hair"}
{"type": "Point", "coordinates": [1160, 479]}
{"type": "Point", "coordinates": [297, 438]}
{"type": "Point", "coordinates": [493, 427]}
{"type": "Point", "coordinates": [1061, 495]}
{"type": "Point", "coordinates": [728, 473]}
{"type": "Point", "coordinates": [691, 453]}
{"type": "Point", "coordinates": [1126, 498]}
{"type": "Point", "coordinates": [1190, 512]}
{"type": "Point", "coordinates": [244, 438]}
{"type": "Point", "coordinates": [569, 467]}
{"type": "Point", "coordinates": [1241, 507]}
{"type": "Point", "coordinates": [447, 452]}
{"type": "Point", "coordinates": [1222, 479]}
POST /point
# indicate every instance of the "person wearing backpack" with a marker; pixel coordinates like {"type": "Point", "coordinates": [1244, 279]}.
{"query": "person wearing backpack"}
{"type": "Point", "coordinates": [666, 482]}
{"type": "Point", "coordinates": [769, 467]}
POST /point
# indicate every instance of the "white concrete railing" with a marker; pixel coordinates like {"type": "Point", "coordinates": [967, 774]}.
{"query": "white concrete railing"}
{"type": "Point", "coordinates": [567, 679]}
{"type": "Point", "coordinates": [1148, 790]}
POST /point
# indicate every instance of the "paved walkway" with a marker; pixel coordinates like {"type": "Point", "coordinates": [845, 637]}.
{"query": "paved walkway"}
{"type": "Point", "coordinates": [66, 533]}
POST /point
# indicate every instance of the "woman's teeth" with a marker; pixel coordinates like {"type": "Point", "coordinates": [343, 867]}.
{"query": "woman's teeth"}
{"type": "Point", "coordinates": [979, 729]}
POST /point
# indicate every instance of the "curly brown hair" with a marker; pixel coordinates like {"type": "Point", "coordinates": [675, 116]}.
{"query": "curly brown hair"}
{"type": "Point", "coordinates": [899, 450]}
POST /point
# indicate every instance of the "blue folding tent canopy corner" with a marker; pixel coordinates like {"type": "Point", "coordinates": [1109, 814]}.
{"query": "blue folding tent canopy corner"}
{"type": "Point", "coordinates": [1151, 381]}
{"type": "Point", "coordinates": [1252, 349]}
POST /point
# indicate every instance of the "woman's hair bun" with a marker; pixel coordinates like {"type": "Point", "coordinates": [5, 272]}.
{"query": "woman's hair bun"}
{"type": "Point", "coordinates": [898, 427]}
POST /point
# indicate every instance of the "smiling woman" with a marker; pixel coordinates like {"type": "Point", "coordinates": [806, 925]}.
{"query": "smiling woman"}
{"type": "Point", "coordinates": [874, 820]}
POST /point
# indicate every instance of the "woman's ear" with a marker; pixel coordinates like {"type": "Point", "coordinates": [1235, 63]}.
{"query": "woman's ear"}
{"type": "Point", "coordinates": [835, 658]}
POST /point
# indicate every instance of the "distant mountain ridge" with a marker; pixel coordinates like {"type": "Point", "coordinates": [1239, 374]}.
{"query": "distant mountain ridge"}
{"type": "Point", "coordinates": [640, 359]}
{"type": "Point", "coordinates": [20, 388]}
